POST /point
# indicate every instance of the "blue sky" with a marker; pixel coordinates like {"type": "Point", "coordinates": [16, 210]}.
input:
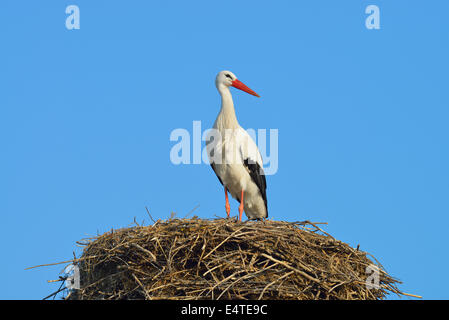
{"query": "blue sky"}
{"type": "Point", "coordinates": [86, 116]}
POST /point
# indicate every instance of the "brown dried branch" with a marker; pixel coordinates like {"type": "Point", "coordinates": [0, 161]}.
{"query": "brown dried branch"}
{"type": "Point", "coordinates": [224, 259]}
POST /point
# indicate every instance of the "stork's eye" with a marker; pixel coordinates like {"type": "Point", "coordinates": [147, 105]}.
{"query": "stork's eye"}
{"type": "Point", "coordinates": [229, 76]}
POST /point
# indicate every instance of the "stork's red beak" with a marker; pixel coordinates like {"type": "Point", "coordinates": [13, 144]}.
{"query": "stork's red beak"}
{"type": "Point", "coordinates": [240, 85]}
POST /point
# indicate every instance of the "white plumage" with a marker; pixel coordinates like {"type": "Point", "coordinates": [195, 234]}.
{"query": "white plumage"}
{"type": "Point", "coordinates": [234, 156]}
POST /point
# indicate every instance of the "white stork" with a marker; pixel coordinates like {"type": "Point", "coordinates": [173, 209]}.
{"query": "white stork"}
{"type": "Point", "coordinates": [234, 156]}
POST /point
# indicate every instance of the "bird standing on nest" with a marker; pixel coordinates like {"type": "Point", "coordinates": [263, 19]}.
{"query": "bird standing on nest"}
{"type": "Point", "coordinates": [234, 156]}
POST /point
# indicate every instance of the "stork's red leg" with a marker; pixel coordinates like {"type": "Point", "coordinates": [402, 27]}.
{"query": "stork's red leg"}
{"type": "Point", "coordinates": [241, 207]}
{"type": "Point", "coordinates": [228, 207]}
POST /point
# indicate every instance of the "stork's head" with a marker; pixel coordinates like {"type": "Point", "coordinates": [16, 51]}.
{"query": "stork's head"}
{"type": "Point", "coordinates": [228, 79]}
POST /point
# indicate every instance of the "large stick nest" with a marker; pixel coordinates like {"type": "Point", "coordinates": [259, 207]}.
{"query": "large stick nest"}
{"type": "Point", "coordinates": [224, 259]}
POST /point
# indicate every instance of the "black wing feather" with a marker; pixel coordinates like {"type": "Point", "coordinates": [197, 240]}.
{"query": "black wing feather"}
{"type": "Point", "coordinates": [213, 168]}
{"type": "Point", "coordinates": [258, 176]}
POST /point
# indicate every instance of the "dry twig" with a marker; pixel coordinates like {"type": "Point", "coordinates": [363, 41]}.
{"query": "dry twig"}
{"type": "Point", "coordinates": [224, 259]}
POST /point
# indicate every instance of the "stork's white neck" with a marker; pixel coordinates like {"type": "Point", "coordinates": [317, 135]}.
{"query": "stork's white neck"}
{"type": "Point", "coordinates": [226, 118]}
